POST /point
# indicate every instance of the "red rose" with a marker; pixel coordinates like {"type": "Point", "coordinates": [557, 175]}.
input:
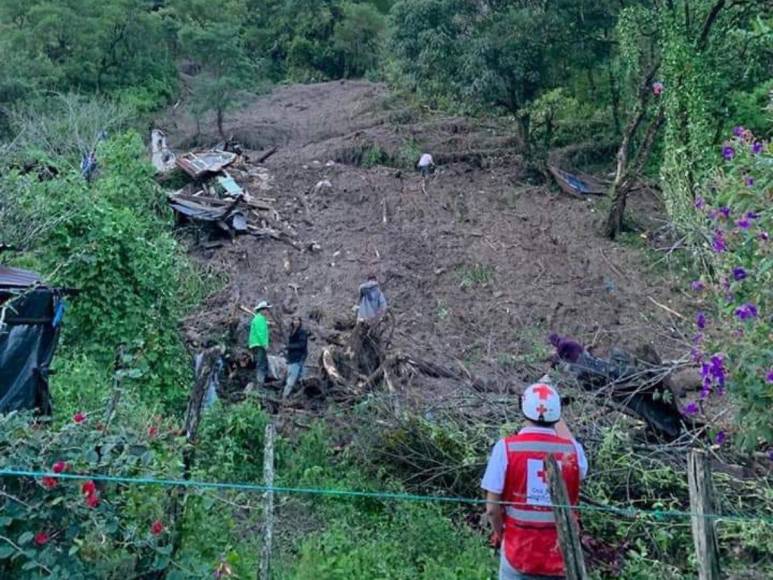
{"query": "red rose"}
{"type": "Point", "coordinates": [79, 417]}
{"type": "Point", "coordinates": [157, 528]}
{"type": "Point", "coordinates": [92, 500]}
{"type": "Point", "coordinates": [59, 467]}
{"type": "Point", "coordinates": [49, 482]}
{"type": "Point", "coordinates": [89, 488]}
{"type": "Point", "coordinates": [41, 538]}
{"type": "Point", "coordinates": [152, 431]}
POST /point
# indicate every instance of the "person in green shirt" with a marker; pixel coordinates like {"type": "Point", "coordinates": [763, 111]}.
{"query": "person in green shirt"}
{"type": "Point", "coordinates": [258, 341]}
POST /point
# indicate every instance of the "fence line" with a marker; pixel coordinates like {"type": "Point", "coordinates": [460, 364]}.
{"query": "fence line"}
{"type": "Point", "coordinates": [387, 496]}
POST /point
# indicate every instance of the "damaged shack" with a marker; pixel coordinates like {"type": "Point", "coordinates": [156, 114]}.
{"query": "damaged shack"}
{"type": "Point", "coordinates": [30, 319]}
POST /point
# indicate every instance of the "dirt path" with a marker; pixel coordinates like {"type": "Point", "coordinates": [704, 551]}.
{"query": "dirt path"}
{"type": "Point", "coordinates": [477, 271]}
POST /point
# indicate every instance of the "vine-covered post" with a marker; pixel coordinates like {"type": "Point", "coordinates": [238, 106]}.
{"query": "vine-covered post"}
{"type": "Point", "coordinates": [268, 506]}
{"type": "Point", "coordinates": [701, 505]}
{"type": "Point", "coordinates": [568, 530]}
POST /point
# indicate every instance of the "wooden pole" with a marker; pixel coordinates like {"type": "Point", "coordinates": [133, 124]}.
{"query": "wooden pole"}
{"type": "Point", "coordinates": [568, 530]}
{"type": "Point", "coordinates": [268, 505]}
{"type": "Point", "coordinates": [702, 503]}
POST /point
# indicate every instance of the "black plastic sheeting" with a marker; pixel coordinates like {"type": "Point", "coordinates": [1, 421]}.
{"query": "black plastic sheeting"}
{"type": "Point", "coordinates": [28, 337]}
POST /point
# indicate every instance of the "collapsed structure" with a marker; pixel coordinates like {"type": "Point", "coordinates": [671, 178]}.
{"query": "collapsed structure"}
{"type": "Point", "coordinates": [30, 320]}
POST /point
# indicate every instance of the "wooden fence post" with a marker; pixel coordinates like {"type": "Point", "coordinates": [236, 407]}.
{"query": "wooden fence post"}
{"type": "Point", "coordinates": [568, 530]}
{"type": "Point", "coordinates": [268, 505]}
{"type": "Point", "coordinates": [702, 503]}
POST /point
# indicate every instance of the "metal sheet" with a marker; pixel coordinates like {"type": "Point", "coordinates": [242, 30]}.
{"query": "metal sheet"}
{"type": "Point", "coordinates": [17, 278]}
{"type": "Point", "coordinates": [198, 164]}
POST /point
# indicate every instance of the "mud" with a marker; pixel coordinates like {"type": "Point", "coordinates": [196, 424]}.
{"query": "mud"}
{"type": "Point", "coordinates": [478, 267]}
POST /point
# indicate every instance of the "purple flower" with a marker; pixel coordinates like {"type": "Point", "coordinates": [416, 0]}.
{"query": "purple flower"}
{"type": "Point", "coordinates": [724, 212]}
{"type": "Point", "coordinates": [657, 88]}
{"type": "Point", "coordinates": [744, 223]}
{"type": "Point", "coordinates": [749, 181]}
{"type": "Point", "coordinates": [699, 202]}
{"type": "Point", "coordinates": [739, 274]}
{"type": "Point", "coordinates": [738, 131]}
{"type": "Point", "coordinates": [720, 438]}
{"type": "Point", "coordinates": [718, 243]}
{"type": "Point", "coordinates": [717, 369]}
{"type": "Point", "coordinates": [756, 148]}
{"type": "Point", "coordinates": [746, 311]}
{"type": "Point", "coordinates": [696, 354]}
{"type": "Point", "coordinates": [769, 376]}
{"type": "Point", "coordinates": [697, 285]}
{"type": "Point", "coordinates": [763, 236]}
{"type": "Point", "coordinates": [728, 152]}
{"type": "Point", "coordinates": [770, 454]}
{"type": "Point", "coordinates": [752, 215]}
{"type": "Point", "coordinates": [700, 320]}
{"type": "Point", "coordinates": [691, 409]}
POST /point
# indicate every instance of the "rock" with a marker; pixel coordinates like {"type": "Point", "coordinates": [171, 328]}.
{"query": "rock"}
{"type": "Point", "coordinates": [323, 185]}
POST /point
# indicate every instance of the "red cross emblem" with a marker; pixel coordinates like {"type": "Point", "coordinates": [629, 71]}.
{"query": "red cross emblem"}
{"type": "Point", "coordinates": [543, 391]}
{"type": "Point", "coordinates": [542, 409]}
{"type": "Point", "coordinates": [543, 475]}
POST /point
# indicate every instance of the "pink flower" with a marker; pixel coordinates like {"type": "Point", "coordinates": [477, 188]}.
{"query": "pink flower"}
{"type": "Point", "coordinates": [79, 417]}
{"type": "Point", "coordinates": [49, 482]}
{"type": "Point", "coordinates": [89, 488]}
{"type": "Point", "coordinates": [92, 500]}
{"type": "Point", "coordinates": [59, 467]}
{"type": "Point", "coordinates": [657, 88]}
{"type": "Point", "coordinates": [157, 528]}
{"type": "Point", "coordinates": [41, 538]}
{"type": "Point", "coordinates": [152, 432]}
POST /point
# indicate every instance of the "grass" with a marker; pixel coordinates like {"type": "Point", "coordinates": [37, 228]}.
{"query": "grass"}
{"type": "Point", "coordinates": [476, 275]}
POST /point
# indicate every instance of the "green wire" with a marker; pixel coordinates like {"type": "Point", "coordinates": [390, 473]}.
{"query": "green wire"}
{"type": "Point", "coordinates": [627, 512]}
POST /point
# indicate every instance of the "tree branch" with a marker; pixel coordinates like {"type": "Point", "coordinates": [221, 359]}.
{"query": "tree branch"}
{"type": "Point", "coordinates": [710, 20]}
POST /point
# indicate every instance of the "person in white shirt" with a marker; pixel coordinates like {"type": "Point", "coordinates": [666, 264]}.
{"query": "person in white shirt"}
{"type": "Point", "coordinates": [426, 165]}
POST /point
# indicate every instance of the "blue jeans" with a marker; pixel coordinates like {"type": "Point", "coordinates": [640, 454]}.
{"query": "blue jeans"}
{"type": "Point", "coordinates": [294, 372]}
{"type": "Point", "coordinates": [261, 365]}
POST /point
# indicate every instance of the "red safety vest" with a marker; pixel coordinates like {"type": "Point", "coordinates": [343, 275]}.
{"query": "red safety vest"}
{"type": "Point", "coordinates": [530, 540]}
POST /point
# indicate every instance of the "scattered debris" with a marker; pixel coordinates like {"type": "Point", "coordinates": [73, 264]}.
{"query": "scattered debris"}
{"type": "Point", "coordinates": [577, 185]}
{"type": "Point", "coordinates": [198, 165]}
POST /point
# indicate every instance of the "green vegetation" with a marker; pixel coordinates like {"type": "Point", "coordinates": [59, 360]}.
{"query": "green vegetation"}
{"type": "Point", "coordinates": [667, 83]}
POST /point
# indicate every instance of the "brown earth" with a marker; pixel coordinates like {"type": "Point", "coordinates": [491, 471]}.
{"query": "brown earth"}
{"type": "Point", "coordinates": [477, 271]}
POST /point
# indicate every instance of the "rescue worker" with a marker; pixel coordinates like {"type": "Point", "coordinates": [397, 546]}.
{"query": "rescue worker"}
{"type": "Point", "coordinates": [426, 164]}
{"type": "Point", "coordinates": [372, 305]}
{"type": "Point", "coordinates": [518, 493]}
{"type": "Point", "coordinates": [297, 350]}
{"type": "Point", "coordinates": [259, 340]}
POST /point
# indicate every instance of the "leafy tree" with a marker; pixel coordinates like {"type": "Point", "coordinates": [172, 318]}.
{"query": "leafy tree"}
{"type": "Point", "coordinates": [508, 63]}
{"type": "Point", "coordinates": [357, 38]}
{"type": "Point", "coordinates": [226, 70]}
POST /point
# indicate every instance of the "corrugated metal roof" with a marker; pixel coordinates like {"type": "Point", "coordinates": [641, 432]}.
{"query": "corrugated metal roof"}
{"type": "Point", "coordinates": [17, 278]}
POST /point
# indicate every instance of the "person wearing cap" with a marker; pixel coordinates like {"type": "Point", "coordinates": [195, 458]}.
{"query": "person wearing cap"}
{"type": "Point", "coordinates": [518, 493]}
{"type": "Point", "coordinates": [258, 341]}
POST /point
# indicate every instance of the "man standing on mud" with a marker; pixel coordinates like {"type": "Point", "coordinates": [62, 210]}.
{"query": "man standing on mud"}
{"type": "Point", "coordinates": [258, 342]}
{"type": "Point", "coordinates": [297, 350]}
{"type": "Point", "coordinates": [426, 164]}
{"type": "Point", "coordinates": [372, 304]}
{"type": "Point", "coordinates": [517, 490]}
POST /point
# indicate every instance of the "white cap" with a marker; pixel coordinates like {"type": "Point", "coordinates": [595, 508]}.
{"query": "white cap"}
{"type": "Point", "coordinates": [261, 305]}
{"type": "Point", "coordinates": [540, 402]}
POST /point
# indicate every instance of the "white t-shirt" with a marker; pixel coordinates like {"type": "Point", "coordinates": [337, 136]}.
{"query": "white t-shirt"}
{"type": "Point", "coordinates": [494, 478]}
{"type": "Point", "coordinates": [425, 160]}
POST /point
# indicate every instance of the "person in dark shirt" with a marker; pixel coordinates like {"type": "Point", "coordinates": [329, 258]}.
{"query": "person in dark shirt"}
{"type": "Point", "coordinates": [297, 349]}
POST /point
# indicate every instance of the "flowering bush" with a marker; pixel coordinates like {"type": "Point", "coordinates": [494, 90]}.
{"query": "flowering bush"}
{"type": "Point", "coordinates": [62, 527]}
{"type": "Point", "coordinates": [734, 346]}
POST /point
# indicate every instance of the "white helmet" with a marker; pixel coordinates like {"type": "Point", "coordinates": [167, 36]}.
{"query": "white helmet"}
{"type": "Point", "coordinates": [540, 402]}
